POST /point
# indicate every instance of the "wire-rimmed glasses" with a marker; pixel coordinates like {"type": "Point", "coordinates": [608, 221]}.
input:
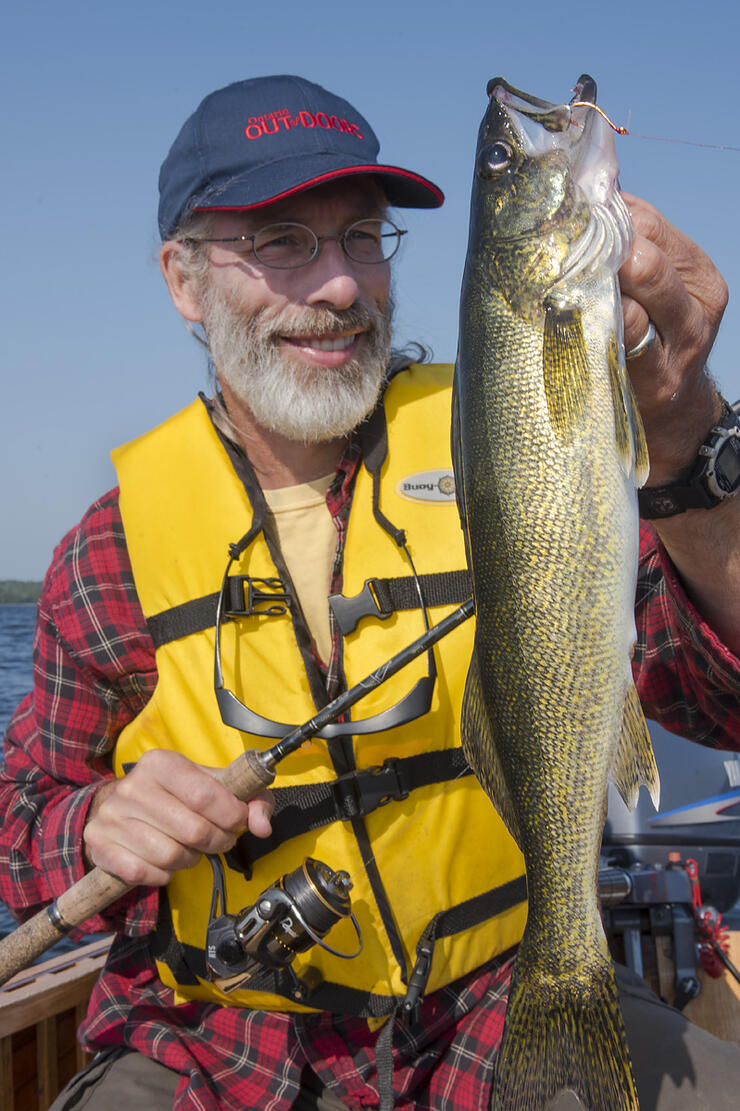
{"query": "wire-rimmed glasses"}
{"type": "Point", "coordinates": [288, 245]}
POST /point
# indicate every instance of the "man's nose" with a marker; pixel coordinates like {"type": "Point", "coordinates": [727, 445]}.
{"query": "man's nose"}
{"type": "Point", "coordinates": [331, 277]}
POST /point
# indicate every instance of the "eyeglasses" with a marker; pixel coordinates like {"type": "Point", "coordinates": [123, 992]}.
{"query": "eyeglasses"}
{"type": "Point", "coordinates": [288, 246]}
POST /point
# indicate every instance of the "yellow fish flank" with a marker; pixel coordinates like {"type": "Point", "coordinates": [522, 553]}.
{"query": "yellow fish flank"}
{"type": "Point", "coordinates": [549, 451]}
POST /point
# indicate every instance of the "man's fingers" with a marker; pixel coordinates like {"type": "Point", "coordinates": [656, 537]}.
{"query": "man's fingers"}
{"type": "Point", "coordinates": [260, 812]}
{"type": "Point", "coordinates": [163, 815]}
{"type": "Point", "coordinates": [137, 852]}
{"type": "Point", "coordinates": [657, 243]}
{"type": "Point", "coordinates": [192, 785]}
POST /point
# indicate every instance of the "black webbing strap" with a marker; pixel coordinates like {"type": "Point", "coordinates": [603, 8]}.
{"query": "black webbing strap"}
{"type": "Point", "coordinates": [188, 962]}
{"type": "Point", "coordinates": [382, 597]}
{"type": "Point", "coordinates": [378, 598]}
{"type": "Point", "coordinates": [245, 597]}
{"type": "Point", "coordinates": [301, 809]}
{"type": "Point", "coordinates": [182, 620]}
{"type": "Point", "coordinates": [453, 921]}
{"type": "Point", "coordinates": [441, 588]}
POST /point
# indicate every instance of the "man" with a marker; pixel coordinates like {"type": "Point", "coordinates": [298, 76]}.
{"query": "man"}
{"type": "Point", "coordinates": [277, 240]}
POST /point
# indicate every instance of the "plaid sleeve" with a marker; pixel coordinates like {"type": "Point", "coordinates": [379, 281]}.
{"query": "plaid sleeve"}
{"type": "Point", "coordinates": [93, 671]}
{"type": "Point", "coordinates": [686, 678]}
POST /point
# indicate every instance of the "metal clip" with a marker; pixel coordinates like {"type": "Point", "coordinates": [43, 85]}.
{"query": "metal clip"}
{"type": "Point", "coordinates": [245, 599]}
{"type": "Point", "coordinates": [360, 792]}
{"type": "Point", "coordinates": [348, 611]}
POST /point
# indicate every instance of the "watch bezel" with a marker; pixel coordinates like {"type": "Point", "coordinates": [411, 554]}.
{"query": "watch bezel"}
{"type": "Point", "coordinates": [723, 443]}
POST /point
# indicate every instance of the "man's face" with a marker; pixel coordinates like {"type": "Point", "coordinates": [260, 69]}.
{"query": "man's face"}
{"type": "Point", "coordinates": [304, 349]}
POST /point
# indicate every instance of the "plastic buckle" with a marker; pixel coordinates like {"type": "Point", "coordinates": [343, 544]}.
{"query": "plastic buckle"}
{"type": "Point", "coordinates": [411, 1006]}
{"type": "Point", "coordinates": [348, 611]}
{"type": "Point", "coordinates": [360, 792]}
{"type": "Point", "coordinates": [245, 598]}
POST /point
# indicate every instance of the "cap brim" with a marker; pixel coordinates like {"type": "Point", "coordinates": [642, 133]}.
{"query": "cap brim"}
{"type": "Point", "coordinates": [403, 188]}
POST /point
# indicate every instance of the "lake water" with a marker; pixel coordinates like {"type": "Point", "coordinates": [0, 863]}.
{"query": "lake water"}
{"type": "Point", "coordinates": [16, 644]}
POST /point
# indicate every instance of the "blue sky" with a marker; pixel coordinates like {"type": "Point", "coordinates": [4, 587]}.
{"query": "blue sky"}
{"type": "Point", "coordinates": [94, 93]}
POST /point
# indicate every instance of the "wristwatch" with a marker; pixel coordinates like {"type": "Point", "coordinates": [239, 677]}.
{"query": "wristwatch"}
{"type": "Point", "coordinates": [713, 477]}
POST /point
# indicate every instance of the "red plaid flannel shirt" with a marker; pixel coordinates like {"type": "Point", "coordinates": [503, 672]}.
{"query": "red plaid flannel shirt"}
{"type": "Point", "coordinates": [94, 669]}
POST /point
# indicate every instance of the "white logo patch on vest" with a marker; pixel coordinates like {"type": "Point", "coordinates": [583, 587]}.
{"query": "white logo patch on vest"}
{"type": "Point", "coordinates": [428, 486]}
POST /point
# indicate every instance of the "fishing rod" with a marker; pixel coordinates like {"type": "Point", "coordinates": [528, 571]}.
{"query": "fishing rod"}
{"type": "Point", "coordinates": [250, 773]}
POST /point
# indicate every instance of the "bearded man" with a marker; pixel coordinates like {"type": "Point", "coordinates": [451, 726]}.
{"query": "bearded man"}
{"type": "Point", "coordinates": [277, 241]}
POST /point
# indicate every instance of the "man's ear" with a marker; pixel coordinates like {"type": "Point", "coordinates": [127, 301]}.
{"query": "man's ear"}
{"type": "Point", "coordinates": [179, 280]}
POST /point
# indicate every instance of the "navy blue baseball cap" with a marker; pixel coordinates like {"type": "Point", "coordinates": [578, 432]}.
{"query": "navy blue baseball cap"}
{"type": "Point", "coordinates": [262, 139]}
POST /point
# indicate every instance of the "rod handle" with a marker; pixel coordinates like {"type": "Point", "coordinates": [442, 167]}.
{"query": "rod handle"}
{"type": "Point", "coordinates": [247, 775]}
{"type": "Point", "coordinates": [90, 895]}
{"type": "Point", "coordinates": [244, 777]}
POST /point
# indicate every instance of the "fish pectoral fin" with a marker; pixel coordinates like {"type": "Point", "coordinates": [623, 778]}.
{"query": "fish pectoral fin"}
{"type": "Point", "coordinates": [564, 366]}
{"type": "Point", "coordinates": [480, 749]}
{"type": "Point", "coordinates": [642, 462]}
{"type": "Point", "coordinates": [634, 763]}
{"type": "Point", "coordinates": [628, 427]}
{"type": "Point", "coordinates": [622, 423]}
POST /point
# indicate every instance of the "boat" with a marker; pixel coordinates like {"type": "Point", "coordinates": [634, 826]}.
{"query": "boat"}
{"type": "Point", "coordinates": [40, 1010]}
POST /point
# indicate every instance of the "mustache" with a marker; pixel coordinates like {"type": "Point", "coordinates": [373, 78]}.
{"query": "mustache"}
{"type": "Point", "coordinates": [291, 322]}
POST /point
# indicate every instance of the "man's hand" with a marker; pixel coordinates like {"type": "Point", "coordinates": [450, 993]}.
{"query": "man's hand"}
{"type": "Point", "coordinates": [163, 815]}
{"type": "Point", "coordinates": [670, 281]}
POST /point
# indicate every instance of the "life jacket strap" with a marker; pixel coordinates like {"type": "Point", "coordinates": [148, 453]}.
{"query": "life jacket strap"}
{"type": "Point", "coordinates": [452, 921]}
{"type": "Point", "coordinates": [189, 962]}
{"type": "Point", "coordinates": [382, 597]}
{"type": "Point", "coordinates": [301, 809]}
{"type": "Point", "coordinates": [245, 597]}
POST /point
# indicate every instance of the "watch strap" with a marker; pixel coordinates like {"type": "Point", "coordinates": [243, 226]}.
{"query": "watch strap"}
{"type": "Point", "coordinates": [691, 490]}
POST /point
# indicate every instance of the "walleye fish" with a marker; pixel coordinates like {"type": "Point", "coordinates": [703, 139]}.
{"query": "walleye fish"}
{"type": "Point", "coordinates": [549, 450]}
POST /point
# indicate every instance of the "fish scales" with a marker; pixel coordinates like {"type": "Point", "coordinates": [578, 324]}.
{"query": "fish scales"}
{"type": "Point", "coordinates": [548, 452]}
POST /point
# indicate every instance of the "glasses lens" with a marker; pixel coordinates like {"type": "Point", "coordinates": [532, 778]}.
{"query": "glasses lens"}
{"type": "Point", "coordinates": [285, 245]}
{"type": "Point", "coordinates": [371, 240]}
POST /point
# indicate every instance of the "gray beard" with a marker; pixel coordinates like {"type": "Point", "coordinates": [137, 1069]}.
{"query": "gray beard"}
{"type": "Point", "coordinates": [306, 403]}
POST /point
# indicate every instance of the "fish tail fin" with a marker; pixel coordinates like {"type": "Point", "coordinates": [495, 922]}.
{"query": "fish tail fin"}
{"type": "Point", "coordinates": [558, 1038]}
{"type": "Point", "coordinates": [634, 763]}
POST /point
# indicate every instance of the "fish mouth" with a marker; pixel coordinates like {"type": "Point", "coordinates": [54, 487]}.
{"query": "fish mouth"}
{"type": "Point", "coordinates": [544, 111]}
{"type": "Point", "coordinates": [541, 125]}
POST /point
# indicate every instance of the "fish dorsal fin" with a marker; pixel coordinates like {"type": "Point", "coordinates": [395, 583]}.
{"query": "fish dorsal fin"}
{"type": "Point", "coordinates": [634, 763]}
{"type": "Point", "coordinates": [628, 426]}
{"type": "Point", "coordinates": [564, 365]}
{"type": "Point", "coordinates": [480, 749]}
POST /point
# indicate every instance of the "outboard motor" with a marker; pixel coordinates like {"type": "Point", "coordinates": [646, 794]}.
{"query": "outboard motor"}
{"type": "Point", "coordinates": [666, 875]}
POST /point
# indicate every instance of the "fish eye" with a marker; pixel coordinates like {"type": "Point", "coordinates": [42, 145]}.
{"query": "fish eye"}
{"type": "Point", "coordinates": [494, 158]}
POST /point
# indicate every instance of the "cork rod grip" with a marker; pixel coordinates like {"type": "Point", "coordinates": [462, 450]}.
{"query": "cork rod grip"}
{"type": "Point", "coordinates": [90, 895]}
{"type": "Point", "coordinates": [244, 777]}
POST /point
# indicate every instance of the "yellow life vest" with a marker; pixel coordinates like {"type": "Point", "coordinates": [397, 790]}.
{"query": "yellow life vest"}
{"type": "Point", "coordinates": [443, 847]}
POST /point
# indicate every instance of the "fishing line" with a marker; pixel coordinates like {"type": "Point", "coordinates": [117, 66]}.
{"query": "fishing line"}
{"type": "Point", "coordinates": [685, 142]}
{"type": "Point", "coordinates": [638, 135]}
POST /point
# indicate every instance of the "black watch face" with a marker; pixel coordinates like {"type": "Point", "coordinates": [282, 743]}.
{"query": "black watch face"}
{"type": "Point", "coordinates": [727, 465]}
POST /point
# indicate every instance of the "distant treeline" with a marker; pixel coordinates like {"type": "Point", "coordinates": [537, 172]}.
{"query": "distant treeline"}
{"type": "Point", "coordinates": [15, 592]}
